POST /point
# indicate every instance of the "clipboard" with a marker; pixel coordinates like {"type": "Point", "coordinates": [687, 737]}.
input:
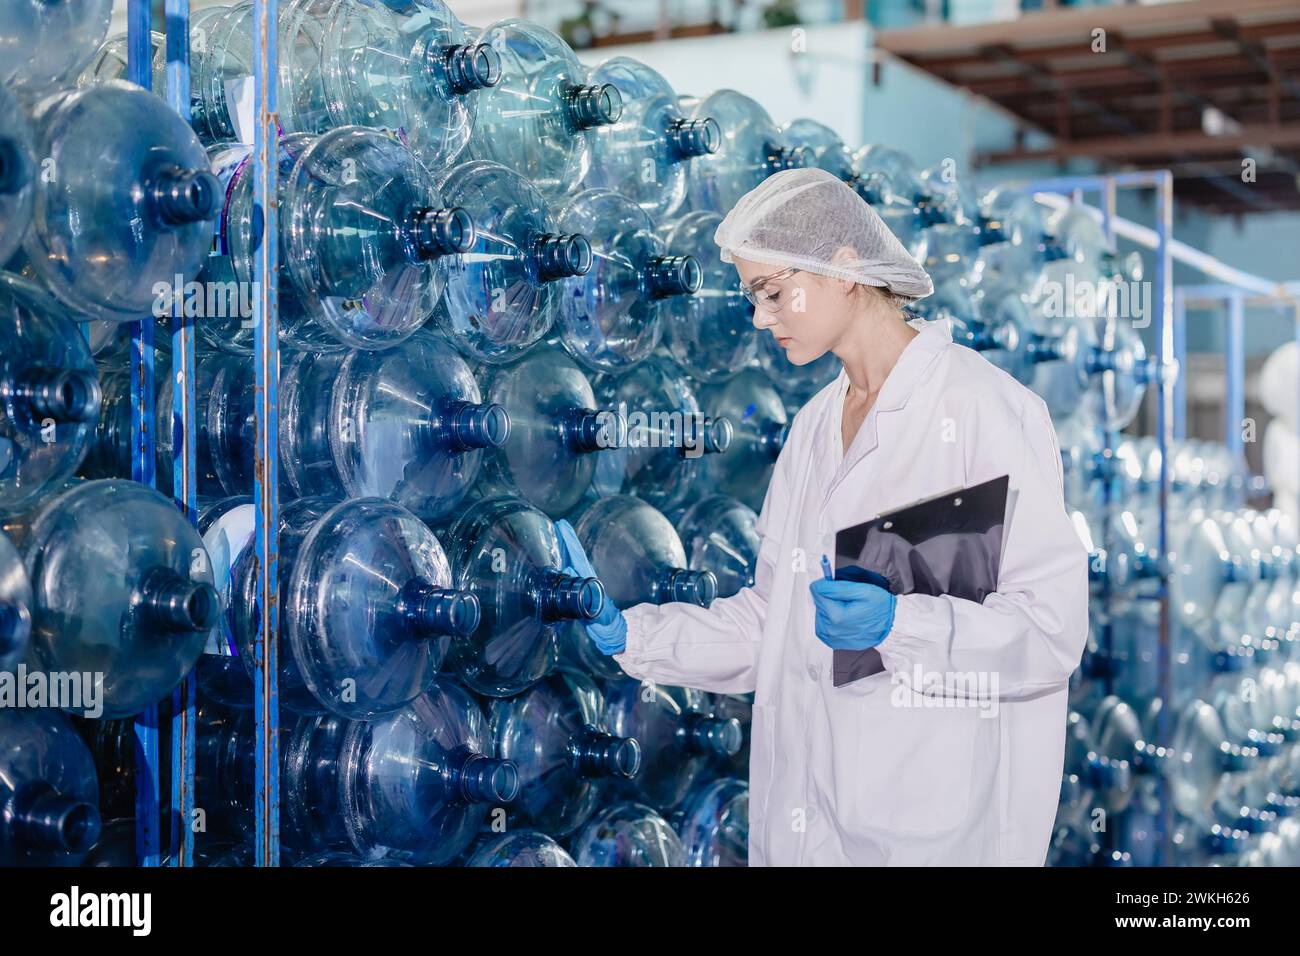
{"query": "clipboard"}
{"type": "Point", "coordinates": [950, 543]}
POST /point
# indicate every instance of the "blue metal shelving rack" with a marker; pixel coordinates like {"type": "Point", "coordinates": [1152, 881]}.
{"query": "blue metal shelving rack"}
{"type": "Point", "coordinates": [144, 422]}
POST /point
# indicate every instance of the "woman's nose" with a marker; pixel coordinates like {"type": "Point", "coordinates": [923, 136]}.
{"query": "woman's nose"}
{"type": "Point", "coordinates": [763, 320]}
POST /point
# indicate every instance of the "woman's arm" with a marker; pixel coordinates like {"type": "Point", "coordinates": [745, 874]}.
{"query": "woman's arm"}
{"type": "Point", "coordinates": [1027, 637]}
{"type": "Point", "coordinates": [715, 648]}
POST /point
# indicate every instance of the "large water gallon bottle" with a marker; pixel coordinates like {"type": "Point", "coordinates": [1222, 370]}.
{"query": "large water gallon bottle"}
{"type": "Point", "coordinates": [1017, 264]}
{"type": "Point", "coordinates": [668, 436]}
{"type": "Point", "coordinates": [558, 431]}
{"type": "Point", "coordinates": [504, 292]}
{"type": "Point", "coordinates": [751, 149]}
{"type": "Point", "coordinates": [111, 454]}
{"type": "Point", "coordinates": [18, 171]}
{"type": "Point", "coordinates": [400, 65]}
{"type": "Point", "coordinates": [124, 202]}
{"type": "Point", "coordinates": [628, 834]}
{"type": "Point", "coordinates": [417, 785]}
{"type": "Point", "coordinates": [644, 154]}
{"type": "Point", "coordinates": [50, 394]}
{"type": "Point", "coordinates": [1001, 327]}
{"type": "Point", "coordinates": [828, 152]}
{"type": "Point", "coordinates": [111, 61]}
{"type": "Point", "coordinates": [910, 207]}
{"type": "Point", "coordinates": [758, 416]}
{"type": "Point", "coordinates": [46, 42]}
{"type": "Point", "coordinates": [954, 250]}
{"type": "Point", "coordinates": [713, 822]}
{"type": "Point", "coordinates": [368, 607]}
{"type": "Point", "coordinates": [1127, 371]}
{"type": "Point", "coordinates": [505, 552]}
{"type": "Point", "coordinates": [48, 789]}
{"type": "Point", "coordinates": [122, 589]}
{"type": "Point", "coordinates": [557, 734]}
{"type": "Point", "coordinates": [538, 119]}
{"type": "Point", "coordinates": [365, 241]}
{"type": "Point", "coordinates": [310, 787]}
{"type": "Point", "coordinates": [638, 555]}
{"type": "Point", "coordinates": [1071, 358]}
{"type": "Point", "coordinates": [407, 424]}
{"type": "Point", "coordinates": [711, 333]}
{"type": "Point", "coordinates": [679, 736]}
{"type": "Point", "coordinates": [1203, 764]}
{"type": "Point", "coordinates": [518, 848]}
{"type": "Point", "coordinates": [15, 606]}
{"type": "Point", "coordinates": [1075, 229]}
{"type": "Point", "coordinates": [610, 318]}
{"type": "Point", "coordinates": [720, 535]}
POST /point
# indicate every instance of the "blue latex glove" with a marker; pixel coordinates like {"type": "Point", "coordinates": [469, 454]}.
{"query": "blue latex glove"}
{"type": "Point", "coordinates": [608, 631]}
{"type": "Point", "coordinates": [852, 615]}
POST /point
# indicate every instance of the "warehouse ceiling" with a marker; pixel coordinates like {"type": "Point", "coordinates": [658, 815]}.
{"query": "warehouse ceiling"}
{"type": "Point", "coordinates": [1207, 88]}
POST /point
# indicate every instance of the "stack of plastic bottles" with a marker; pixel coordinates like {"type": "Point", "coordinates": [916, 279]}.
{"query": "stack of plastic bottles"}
{"type": "Point", "coordinates": [500, 304]}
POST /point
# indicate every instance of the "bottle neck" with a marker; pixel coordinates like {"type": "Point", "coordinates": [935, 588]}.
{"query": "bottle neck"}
{"type": "Point", "coordinates": [472, 425]}
{"type": "Point", "coordinates": [665, 276]}
{"type": "Point", "coordinates": [182, 197]}
{"type": "Point", "coordinates": [175, 603]}
{"type": "Point", "coordinates": [560, 256]}
{"type": "Point", "coordinates": [592, 106]}
{"type": "Point", "coordinates": [772, 437]}
{"type": "Point", "coordinates": [716, 736]}
{"type": "Point", "coordinates": [691, 587]}
{"type": "Point", "coordinates": [466, 68]}
{"type": "Point", "coordinates": [781, 158]}
{"type": "Point", "coordinates": [45, 819]}
{"type": "Point", "coordinates": [65, 395]}
{"type": "Point", "coordinates": [432, 611]}
{"type": "Point", "coordinates": [708, 436]}
{"type": "Point", "coordinates": [586, 431]}
{"type": "Point", "coordinates": [475, 778]}
{"type": "Point", "coordinates": [440, 232]}
{"type": "Point", "coordinates": [689, 138]}
{"type": "Point", "coordinates": [564, 597]}
{"type": "Point", "coordinates": [597, 754]}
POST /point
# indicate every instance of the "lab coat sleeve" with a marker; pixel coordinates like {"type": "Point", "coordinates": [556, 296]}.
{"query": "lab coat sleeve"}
{"type": "Point", "coordinates": [1026, 638]}
{"type": "Point", "coordinates": [716, 648]}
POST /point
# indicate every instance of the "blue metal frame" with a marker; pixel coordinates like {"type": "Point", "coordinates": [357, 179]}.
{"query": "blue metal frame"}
{"type": "Point", "coordinates": [184, 481]}
{"type": "Point", "coordinates": [184, 418]}
{"type": "Point", "coordinates": [266, 699]}
{"type": "Point", "coordinates": [143, 443]}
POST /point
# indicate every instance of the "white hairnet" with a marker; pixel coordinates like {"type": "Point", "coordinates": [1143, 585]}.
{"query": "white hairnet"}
{"type": "Point", "coordinates": [803, 217]}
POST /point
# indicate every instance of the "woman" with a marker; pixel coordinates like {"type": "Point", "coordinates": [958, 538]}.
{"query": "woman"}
{"type": "Point", "coordinates": [866, 773]}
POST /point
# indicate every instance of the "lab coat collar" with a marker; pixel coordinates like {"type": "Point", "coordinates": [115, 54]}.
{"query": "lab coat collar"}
{"type": "Point", "coordinates": [908, 372]}
{"type": "Point", "coordinates": [912, 365]}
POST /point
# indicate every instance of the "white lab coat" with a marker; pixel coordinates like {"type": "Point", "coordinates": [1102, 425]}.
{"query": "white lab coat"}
{"type": "Point", "coordinates": [848, 775]}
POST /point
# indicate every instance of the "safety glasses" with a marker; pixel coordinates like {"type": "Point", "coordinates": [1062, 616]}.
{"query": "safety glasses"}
{"type": "Point", "coordinates": [762, 298]}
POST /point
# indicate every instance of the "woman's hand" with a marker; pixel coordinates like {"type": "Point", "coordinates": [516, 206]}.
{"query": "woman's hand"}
{"type": "Point", "coordinates": [852, 615]}
{"type": "Point", "coordinates": [608, 631]}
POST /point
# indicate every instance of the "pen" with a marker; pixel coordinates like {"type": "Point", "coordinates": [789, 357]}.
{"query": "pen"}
{"type": "Point", "coordinates": [827, 573]}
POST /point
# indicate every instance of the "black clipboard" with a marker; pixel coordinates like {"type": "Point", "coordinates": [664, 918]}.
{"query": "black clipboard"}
{"type": "Point", "coordinates": [948, 544]}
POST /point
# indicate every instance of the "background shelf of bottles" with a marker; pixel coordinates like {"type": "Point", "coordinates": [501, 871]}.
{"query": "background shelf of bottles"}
{"type": "Point", "coordinates": [496, 303]}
